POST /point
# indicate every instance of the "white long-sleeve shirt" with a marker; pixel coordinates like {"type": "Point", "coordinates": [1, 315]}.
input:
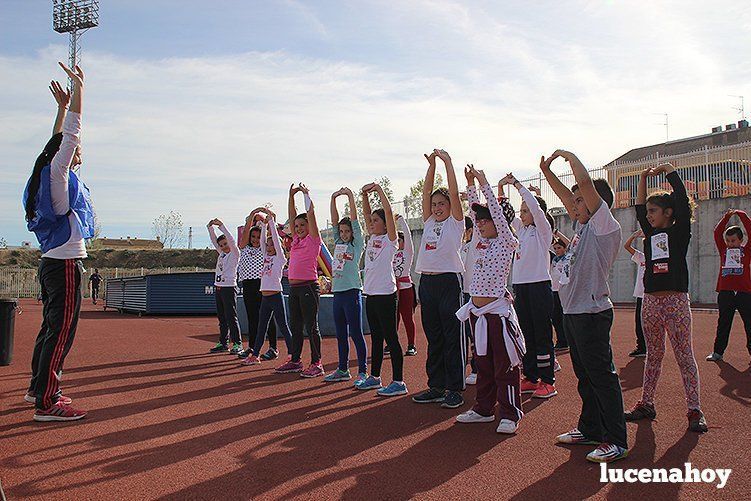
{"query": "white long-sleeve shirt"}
{"type": "Point", "coordinates": [273, 266]}
{"type": "Point", "coordinates": [226, 264]}
{"type": "Point", "coordinates": [403, 258]}
{"type": "Point", "coordinates": [469, 249]}
{"type": "Point", "coordinates": [75, 247]}
{"type": "Point", "coordinates": [532, 263]}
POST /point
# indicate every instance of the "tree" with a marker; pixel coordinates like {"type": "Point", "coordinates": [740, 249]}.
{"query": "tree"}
{"type": "Point", "coordinates": [3, 243]}
{"type": "Point", "coordinates": [375, 203]}
{"type": "Point", "coordinates": [169, 229]}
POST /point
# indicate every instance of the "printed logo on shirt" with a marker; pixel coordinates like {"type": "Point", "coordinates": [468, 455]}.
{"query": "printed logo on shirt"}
{"type": "Point", "coordinates": [341, 256]}
{"type": "Point", "coordinates": [431, 238]}
{"type": "Point", "coordinates": [660, 247]}
{"type": "Point", "coordinates": [398, 264]}
{"type": "Point", "coordinates": [660, 268]}
{"type": "Point", "coordinates": [268, 265]}
{"type": "Point", "coordinates": [375, 247]}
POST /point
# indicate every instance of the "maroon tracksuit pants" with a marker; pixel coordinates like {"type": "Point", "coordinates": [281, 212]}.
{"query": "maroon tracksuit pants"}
{"type": "Point", "coordinates": [496, 382]}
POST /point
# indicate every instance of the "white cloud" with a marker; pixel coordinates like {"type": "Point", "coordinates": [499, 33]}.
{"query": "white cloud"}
{"type": "Point", "coordinates": [216, 136]}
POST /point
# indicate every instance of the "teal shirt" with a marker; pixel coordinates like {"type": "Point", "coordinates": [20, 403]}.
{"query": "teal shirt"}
{"type": "Point", "coordinates": [346, 263]}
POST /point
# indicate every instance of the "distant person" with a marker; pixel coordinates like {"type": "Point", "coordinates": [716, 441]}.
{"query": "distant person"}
{"type": "Point", "coordinates": [557, 263]}
{"type": "Point", "coordinates": [59, 212]}
{"type": "Point", "coordinates": [734, 280]}
{"type": "Point", "coordinates": [468, 254]}
{"type": "Point", "coordinates": [225, 281]}
{"type": "Point", "coordinates": [94, 280]}
{"type": "Point", "coordinates": [665, 218]}
{"type": "Point", "coordinates": [407, 294]}
{"type": "Point", "coordinates": [637, 257]}
{"type": "Point", "coordinates": [272, 300]}
{"type": "Point", "coordinates": [249, 274]}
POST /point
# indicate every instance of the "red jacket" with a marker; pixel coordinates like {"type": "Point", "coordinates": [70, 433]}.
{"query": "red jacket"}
{"type": "Point", "coordinates": [731, 278]}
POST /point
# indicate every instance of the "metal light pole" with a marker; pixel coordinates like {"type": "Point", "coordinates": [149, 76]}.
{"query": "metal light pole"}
{"type": "Point", "coordinates": [74, 17]}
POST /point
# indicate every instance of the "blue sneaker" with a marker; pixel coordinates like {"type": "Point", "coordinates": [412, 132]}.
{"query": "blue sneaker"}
{"type": "Point", "coordinates": [361, 378]}
{"type": "Point", "coordinates": [338, 375]}
{"type": "Point", "coordinates": [371, 383]}
{"type": "Point", "coordinates": [393, 389]}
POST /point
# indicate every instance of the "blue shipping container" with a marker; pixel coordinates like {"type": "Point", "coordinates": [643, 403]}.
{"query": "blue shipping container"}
{"type": "Point", "coordinates": [169, 293]}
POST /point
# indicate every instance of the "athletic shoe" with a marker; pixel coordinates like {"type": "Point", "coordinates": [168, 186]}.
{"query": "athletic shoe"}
{"type": "Point", "coordinates": [270, 354]}
{"type": "Point", "coordinates": [507, 426]}
{"type": "Point", "coordinates": [411, 351]}
{"type": "Point", "coordinates": [288, 367]}
{"type": "Point", "coordinates": [544, 390]}
{"type": "Point", "coordinates": [560, 349]}
{"type": "Point", "coordinates": [429, 396]}
{"type": "Point", "coordinates": [245, 353]}
{"type": "Point", "coordinates": [452, 400]}
{"type": "Point", "coordinates": [386, 351]}
{"type": "Point", "coordinates": [556, 366]}
{"type": "Point", "coordinates": [236, 348]}
{"type": "Point", "coordinates": [338, 375]}
{"type": "Point", "coordinates": [714, 357]}
{"type": "Point", "coordinates": [31, 399]}
{"type": "Point", "coordinates": [59, 412]}
{"type": "Point", "coordinates": [471, 379]}
{"type": "Point", "coordinates": [528, 386]}
{"type": "Point", "coordinates": [696, 421]}
{"type": "Point", "coordinates": [219, 348]}
{"type": "Point", "coordinates": [313, 370]}
{"type": "Point", "coordinates": [638, 353]}
{"type": "Point", "coordinates": [393, 389]}
{"type": "Point", "coordinates": [251, 360]}
{"type": "Point", "coordinates": [371, 383]}
{"type": "Point", "coordinates": [641, 411]}
{"type": "Point", "coordinates": [473, 417]}
{"type": "Point", "coordinates": [360, 379]}
{"type": "Point", "coordinates": [607, 453]}
{"type": "Point", "coordinates": [575, 437]}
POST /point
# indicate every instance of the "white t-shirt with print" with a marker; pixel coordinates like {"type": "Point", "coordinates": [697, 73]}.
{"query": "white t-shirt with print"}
{"type": "Point", "coordinates": [379, 272]}
{"type": "Point", "coordinates": [440, 246]}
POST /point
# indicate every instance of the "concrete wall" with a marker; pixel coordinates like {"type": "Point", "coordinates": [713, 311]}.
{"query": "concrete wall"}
{"type": "Point", "coordinates": [703, 260]}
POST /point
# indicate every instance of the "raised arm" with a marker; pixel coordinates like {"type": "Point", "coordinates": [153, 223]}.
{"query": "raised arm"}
{"type": "Point", "coordinates": [563, 238]}
{"type": "Point", "coordinates": [409, 248]}
{"type": "Point", "coordinates": [583, 181]}
{"type": "Point", "coordinates": [628, 244]}
{"type": "Point", "coordinates": [544, 231]}
{"type": "Point", "coordinates": [719, 230]}
{"type": "Point", "coordinates": [62, 98]}
{"type": "Point", "coordinates": [250, 222]}
{"type": "Point", "coordinates": [352, 205]}
{"type": "Point", "coordinates": [387, 211]}
{"type": "Point", "coordinates": [472, 195]}
{"type": "Point", "coordinates": [311, 211]}
{"type": "Point", "coordinates": [456, 203]}
{"type": "Point", "coordinates": [427, 187]}
{"type": "Point", "coordinates": [271, 224]}
{"type": "Point", "coordinates": [682, 211]}
{"type": "Point", "coordinates": [291, 209]}
{"type": "Point", "coordinates": [233, 249]}
{"type": "Point", "coordinates": [746, 222]}
{"type": "Point", "coordinates": [366, 210]}
{"type": "Point", "coordinates": [561, 190]}
{"type": "Point", "coordinates": [334, 211]}
{"type": "Point", "coordinates": [212, 234]}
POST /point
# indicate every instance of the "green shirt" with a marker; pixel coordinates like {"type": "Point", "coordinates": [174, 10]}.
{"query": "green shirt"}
{"type": "Point", "coordinates": [345, 266]}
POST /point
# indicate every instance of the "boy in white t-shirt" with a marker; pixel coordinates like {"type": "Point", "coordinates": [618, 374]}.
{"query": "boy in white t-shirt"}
{"type": "Point", "coordinates": [637, 257]}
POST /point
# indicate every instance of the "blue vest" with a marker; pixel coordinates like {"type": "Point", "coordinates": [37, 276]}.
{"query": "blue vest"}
{"type": "Point", "coordinates": [54, 230]}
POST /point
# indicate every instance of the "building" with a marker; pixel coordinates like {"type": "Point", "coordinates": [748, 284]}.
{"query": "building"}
{"type": "Point", "coordinates": [128, 243]}
{"type": "Point", "coordinates": [714, 165]}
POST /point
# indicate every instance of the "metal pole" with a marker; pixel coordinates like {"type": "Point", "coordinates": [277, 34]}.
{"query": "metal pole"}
{"type": "Point", "coordinates": [72, 55]}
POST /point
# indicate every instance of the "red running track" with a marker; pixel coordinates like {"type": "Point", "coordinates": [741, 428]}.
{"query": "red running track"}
{"type": "Point", "coordinates": [168, 420]}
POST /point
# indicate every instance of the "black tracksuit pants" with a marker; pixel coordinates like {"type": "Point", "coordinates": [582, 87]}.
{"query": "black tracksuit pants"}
{"type": "Point", "coordinates": [61, 295]}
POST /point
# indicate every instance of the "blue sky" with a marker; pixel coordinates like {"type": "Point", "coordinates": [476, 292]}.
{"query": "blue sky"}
{"type": "Point", "coordinates": [212, 112]}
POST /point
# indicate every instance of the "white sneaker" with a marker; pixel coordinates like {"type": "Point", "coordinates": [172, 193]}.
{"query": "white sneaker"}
{"type": "Point", "coordinates": [472, 417]}
{"type": "Point", "coordinates": [471, 379]}
{"type": "Point", "coordinates": [714, 357]}
{"type": "Point", "coordinates": [507, 426]}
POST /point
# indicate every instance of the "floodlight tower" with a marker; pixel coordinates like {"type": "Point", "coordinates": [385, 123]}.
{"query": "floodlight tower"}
{"type": "Point", "coordinates": [74, 17]}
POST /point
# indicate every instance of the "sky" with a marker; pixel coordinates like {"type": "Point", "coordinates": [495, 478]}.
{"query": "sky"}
{"type": "Point", "coordinates": [212, 111]}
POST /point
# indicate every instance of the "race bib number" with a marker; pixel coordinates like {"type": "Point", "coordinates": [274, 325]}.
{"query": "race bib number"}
{"type": "Point", "coordinates": [660, 247]}
{"type": "Point", "coordinates": [375, 247]}
{"type": "Point", "coordinates": [432, 237]}
{"type": "Point", "coordinates": [733, 258]}
{"type": "Point", "coordinates": [660, 268]}
{"type": "Point", "coordinates": [341, 256]}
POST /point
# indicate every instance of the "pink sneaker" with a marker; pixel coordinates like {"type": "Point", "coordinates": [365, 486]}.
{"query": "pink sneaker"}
{"type": "Point", "coordinates": [59, 412]}
{"type": "Point", "coordinates": [31, 399]}
{"type": "Point", "coordinates": [314, 370]}
{"type": "Point", "coordinates": [251, 360]}
{"type": "Point", "coordinates": [289, 367]}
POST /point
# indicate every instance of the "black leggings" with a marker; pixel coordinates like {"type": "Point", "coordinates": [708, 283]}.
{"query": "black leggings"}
{"type": "Point", "coordinates": [382, 311]}
{"type": "Point", "coordinates": [252, 299]}
{"type": "Point", "coordinates": [303, 318]}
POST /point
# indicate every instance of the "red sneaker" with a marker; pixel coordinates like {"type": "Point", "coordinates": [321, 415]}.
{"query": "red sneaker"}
{"type": "Point", "coordinates": [59, 412]}
{"type": "Point", "coordinates": [33, 400]}
{"type": "Point", "coordinates": [544, 390]}
{"type": "Point", "coordinates": [289, 367]}
{"type": "Point", "coordinates": [250, 360]}
{"type": "Point", "coordinates": [528, 386]}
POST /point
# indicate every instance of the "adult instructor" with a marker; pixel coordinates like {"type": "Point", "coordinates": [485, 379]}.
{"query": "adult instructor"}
{"type": "Point", "coordinates": [59, 212]}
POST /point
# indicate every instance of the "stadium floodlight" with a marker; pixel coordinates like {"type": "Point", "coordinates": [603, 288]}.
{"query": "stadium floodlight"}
{"type": "Point", "coordinates": [74, 17]}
